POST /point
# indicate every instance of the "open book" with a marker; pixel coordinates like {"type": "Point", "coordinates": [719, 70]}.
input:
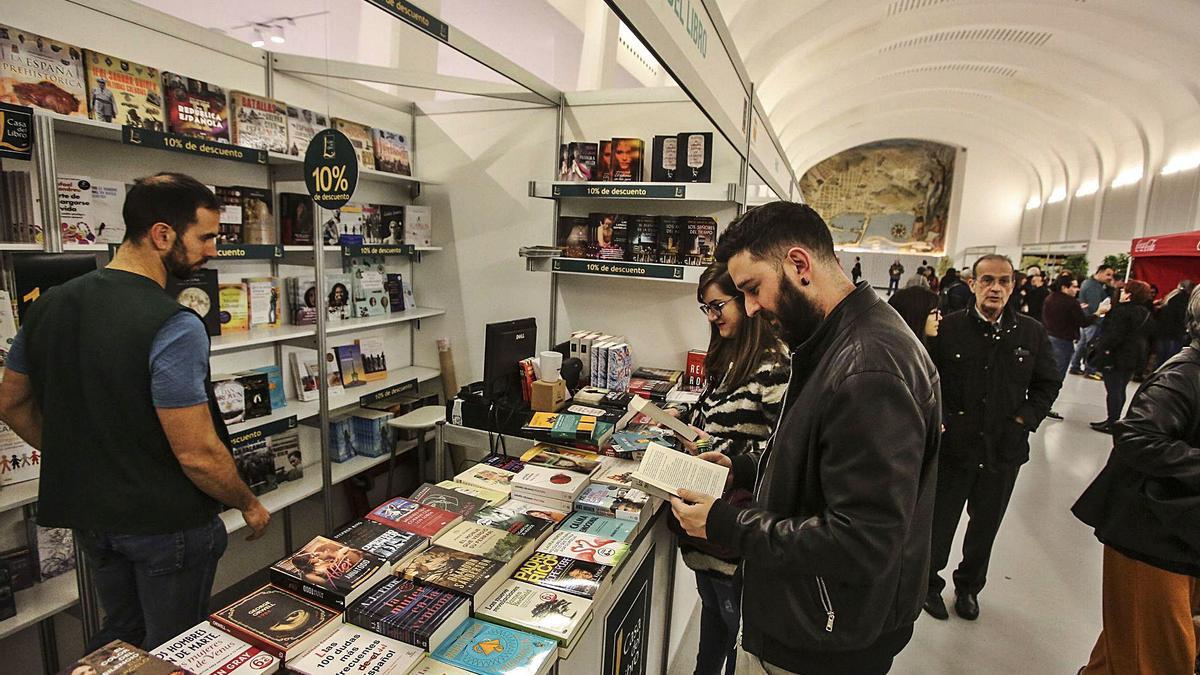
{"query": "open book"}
{"type": "Point", "coordinates": [640, 405]}
{"type": "Point", "coordinates": [664, 471]}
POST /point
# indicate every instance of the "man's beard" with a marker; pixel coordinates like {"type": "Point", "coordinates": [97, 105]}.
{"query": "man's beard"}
{"type": "Point", "coordinates": [177, 264]}
{"type": "Point", "coordinates": [798, 317]}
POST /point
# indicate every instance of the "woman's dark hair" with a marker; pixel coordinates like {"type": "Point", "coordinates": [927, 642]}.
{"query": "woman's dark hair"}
{"type": "Point", "coordinates": [775, 227]}
{"type": "Point", "coordinates": [914, 304]}
{"type": "Point", "coordinates": [1063, 283]}
{"type": "Point", "coordinates": [1139, 292]}
{"type": "Point", "coordinates": [735, 359]}
{"type": "Point", "coordinates": [171, 198]}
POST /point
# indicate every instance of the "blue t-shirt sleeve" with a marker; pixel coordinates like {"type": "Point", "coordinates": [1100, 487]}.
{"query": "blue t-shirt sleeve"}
{"type": "Point", "coordinates": [179, 362]}
{"type": "Point", "coordinates": [16, 360]}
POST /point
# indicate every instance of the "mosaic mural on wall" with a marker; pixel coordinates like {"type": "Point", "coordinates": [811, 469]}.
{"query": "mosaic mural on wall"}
{"type": "Point", "coordinates": [891, 195]}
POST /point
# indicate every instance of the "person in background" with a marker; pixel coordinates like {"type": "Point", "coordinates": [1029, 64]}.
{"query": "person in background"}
{"type": "Point", "coordinates": [955, 294]}
{"type": "Point", "coordinates": [1064, 318]}
{"type": "Point", "coordinates": [931, 277]}
{"type": "Point", "coordinates": [856, 271]}
{"type": "Point", "coordinates": [894, 273]}
{"type": "Point", "coordinates": [139, 478]}
{"type": "Point", "coordinates": [1016, 301]}
{"type": "Point", "coordinates": [919, 308]}
{"type": "Point", "coordinates": [918, 279]}
{"type": "Point", "coordinates": [747, 369]}
{"type": "Point", "coordinates": [1035, 293]}
{"type": "Point", "coordinates": [1172, 321]}
{"type": "Point", "coordinates": [835, 546]}
{"type": "Point", "coordinates": [998, 384]}
{"type": "Point", "coordinates": [1142, 506]}
{"type": "Point", "coordinates": [1122, 347]}
{"type": "Point", "coordinates": [1092, 292]}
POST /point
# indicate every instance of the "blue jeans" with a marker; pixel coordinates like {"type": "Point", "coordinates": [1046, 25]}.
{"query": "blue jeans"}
{"type": "Point", "coordinates": [152, 587]}
{"type": "Point", "coordinates": [1085, 335]}
{"type": "Point", "coordinates": [1063, 350]}
{"type": "Point", "coordinates": [720, 615]}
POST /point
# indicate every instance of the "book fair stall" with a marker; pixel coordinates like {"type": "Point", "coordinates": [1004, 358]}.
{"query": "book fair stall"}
{"type": "Point", "coordinates": [464, 476]}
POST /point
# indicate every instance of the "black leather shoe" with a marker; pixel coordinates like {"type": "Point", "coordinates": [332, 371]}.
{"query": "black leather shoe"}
{"type": "Point", "coordinates": [935, 606]}
{"type": "Point", "coordinates": [1102, 427]}
{"type": "Point", "coordinates": [1054, 415]}
{"type": "Point", "coordinates": [966, 605]}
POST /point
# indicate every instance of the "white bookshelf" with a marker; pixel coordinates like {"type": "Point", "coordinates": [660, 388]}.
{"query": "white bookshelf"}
{"type": "Point", "coordinates": [41, 601]}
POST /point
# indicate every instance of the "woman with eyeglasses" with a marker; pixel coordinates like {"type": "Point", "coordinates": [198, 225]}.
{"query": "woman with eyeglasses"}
{"type": "Point", "coordinates": [918, 306]}
{"type": "Point", "coordinates": [746, 372]}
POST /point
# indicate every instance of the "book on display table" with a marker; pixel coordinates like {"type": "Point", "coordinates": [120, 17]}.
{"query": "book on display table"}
{"type": "Point", "coordinates": [352, 650]}
{"type": "Point", "coordinates": [278, 622]}
{"type": "Point", "coordinates": [474, 577]}
{"type": "Point", "coordinates": [389, 544]}
{"type": "Point", "coordinates": [328, 571]}
{"type": "Point", "coordinates": [410, 611]}
{"type": "Point", "coordinates": [559, 616]}
{"type": "Point", "coordinates": [561, 573]}
{"type": "Point", "coordinates": [411, 516]}
{"type": "Point", "coordinates": [204, 650]}
{"type": "Point", "coordinates": [488, 649]}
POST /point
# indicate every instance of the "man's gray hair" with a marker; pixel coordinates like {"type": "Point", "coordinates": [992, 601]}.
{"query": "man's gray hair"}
{"type": "Point", "coordinates": [1193, 314]}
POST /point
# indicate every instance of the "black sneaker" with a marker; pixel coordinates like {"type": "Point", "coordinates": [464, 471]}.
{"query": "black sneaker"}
{"type": "Point", "coordinates": [1103, 427]}
{"type": "Point", "coordinates": [935, 606]}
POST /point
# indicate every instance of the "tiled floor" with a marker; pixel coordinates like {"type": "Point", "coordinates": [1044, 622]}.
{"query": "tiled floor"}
{"type": "Point", "coordinates": [1040, 613]}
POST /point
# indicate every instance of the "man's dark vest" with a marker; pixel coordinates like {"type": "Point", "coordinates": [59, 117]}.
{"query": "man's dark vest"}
{"type": "Point", "coordinates": [106, 462]}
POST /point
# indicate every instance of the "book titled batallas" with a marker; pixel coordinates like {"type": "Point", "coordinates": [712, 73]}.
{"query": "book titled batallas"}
{"type": "Point", "coordinates": [280, 623]}
{"type": "Point", "coordinates": [328, 571]}
{"type": "Point", "coordinates": [561, 573]}
{"type": "Point", "coordinates": [352, 650]}
{"type": "Point", "coordinates": [488, 649]}
{"type": "Point", "coordinates": [409, 611]}
{"type": "Point", "coordinates": [411, 516]}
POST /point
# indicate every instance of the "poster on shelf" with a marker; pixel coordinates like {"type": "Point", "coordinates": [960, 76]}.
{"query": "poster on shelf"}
{"type": "Point", "coordinates": [16, 131]}
{"type": "Point", "coordinates": [18, 461]}
{"type": "Point", "coordinates": [330, 169]}
{"type": "Point", "coordinates": [628, 622]}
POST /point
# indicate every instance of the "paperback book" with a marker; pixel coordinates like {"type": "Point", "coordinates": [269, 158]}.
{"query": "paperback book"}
{"type": "Point", "coordinates": [599, 526]}
{"type": "Point", "coordinates": [556, 457]}
{"type": "Point", "coordinates": [412, 516]}
{"type": "Point", "coordinates": [391, 220]}
{"type": "Point", "coordinates": [121, 658]}
{"type": "Point", "coordinates": [328, 571]}
{"type": "Point", "coordinates": [280, 623]}
{"type": "Point", "coordinates": [604, 161]}
{"type": "Point", "coordinates": [232, 215]}
{"type": "Point", "coordinates": [374, 358]}
{"type": "Point", "coordinates": [263, 299]}
{"type": "Point", "coordinates": [609, 236]}
{"type": "Point", "coordinates": [391, 152]}
{"type": "Point", "coordinates": [55, 549]}
{"type": "Point", "coordinates": [539, 511]}
{"type": "Point", "coordinates": [199, 293]}
{"type": "Point", "coordinates": [418, 225]}
{"type": "Point", "coordinates": [368, 276]}
{"type": "Point", "coordinates": [302, 125]}
{"type": "Point", "coordinates": [204, 650]}
{"type": "Point", "coordinates": [258, 122]}
{"type": "Point", "coordinates": [448, 500]}
{"type": "Point", "coordinates": [195, 108]}
{"type": "Point", "coordinates": [409, 611]}
{"type": "Point", "coordinates": [395, 291]}
{"type": "Point", "coordinates": [486, 542]}
{"type": "Point", "coordinates": [664, 158]}
{"type": "Point", "coordinates": [39, 72]}
{"type": "Point", "coordinates": [488, 649]}
{"type": "Point", "coordinates": [564, 574]}
{"type": "Point", "coordinates": [663, 472]}
{"type": "Point", "coordinates": [614, 502]}
{"type": "Point", "coordinates": [484, 476]}
{"type": "Point", "coordinates": [456, 571]}
{"type": "Point", "coordinates": [90, 210]}
{"type": "Point", "coordinates": [670, 231]}
{"type": "Point", "coordinates": [302, 300]}
{"type": "Point", "coordinates": [514, 522]}
{"type": "Point", "coordinates": [695, 157]}
{"type": "Point", "coordinates": [337, 296]}
{"type": "Point", "coordinates": [698, 241]}
{"type": "Point", "coordinates": [123, 92]}
{"type": "Point", "coordinates": [556, 615]}
{"type": "Point", "coordinates": [490, 497]}
{"type": "Point", "coordinates": [389, 544]}
{"type": "Point", "coordinates": [255, 462]}
{"type": "Point", "coordinates": [616, 471]}
{"type": "Point", "coordinates": [234, 306]}
{"type": "Point", "coordinates": [581, 161]}
{"type": "Point", "coordinates": [573, 236]}
{"type": "Point", "coordinates": [373, 436]}
{"type": "Point", "coordinates": [537, 484]}
{"type": "Point", "coordinates": [585, 547]}
{"type": "Point", "coordinates": [361, 138]}
{"type": "Point", "coordinates": [353, 651]}
{"type": "Point", "coordinates": [643, 239]}
{"type": "Point", "coordinates": [502, 461]}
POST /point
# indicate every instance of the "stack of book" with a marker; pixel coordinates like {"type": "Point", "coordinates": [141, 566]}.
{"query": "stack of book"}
{"type": "Point", "coordinates": [204, 650]}
{"type": "Point", "coordinates": [490, 543]}
{"type": "Point", "coordinates": [330, 572]}
{"type": "Point", "coordinates": [585, 432]}
{"type": "Point", "coordinates": [569, 459]}
{"type": "Point", "coordinates": [483, 647]}
{"type": "Point", "coordinates": [279, 623]}
{"type": "Point", "coordinates": [412, 612]}
{"type": "Point", "coordinates": [559, 616]}
{"type": "Point", "coordinates": [487, 477]}
{"type": "Point", "coordinates": [625, 504]}
{"type": "Point", "coordinates": [585, 547]}
{"type": "Point", "coordinates": [510, 518]}
{"type": "Point", "coordinates": [489, 496]}
{"type": "Point", "coordinates": [553, 488]}
{"type": "Point", "coordinates": [583, 522]}
{"type": "Point", "coordinates": [352, 649]}
{"type": "Point", "coordinates": [564, 574]}
{"type": "Point", "coordinates": [411, 516]}
{"type": "Point", "coordinates": [459, 572]}
{"type": "Point", "coordinates": [448, 500]}
{"type": "Point", "coordinates": [393, 546]}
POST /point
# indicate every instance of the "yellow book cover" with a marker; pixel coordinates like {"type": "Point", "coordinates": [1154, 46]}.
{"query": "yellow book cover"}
{"type": "Point", "coordinates": [235, 307]}
{"type": "Point", "coordinates": [124, 92]}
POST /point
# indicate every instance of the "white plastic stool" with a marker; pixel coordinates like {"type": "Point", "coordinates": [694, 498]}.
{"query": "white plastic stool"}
{"type": "Point", "coordinates": [420, 420]}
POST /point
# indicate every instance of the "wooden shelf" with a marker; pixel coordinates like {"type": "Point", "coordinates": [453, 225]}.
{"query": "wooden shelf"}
{"type": "Point", "coordinates": [664, 192]}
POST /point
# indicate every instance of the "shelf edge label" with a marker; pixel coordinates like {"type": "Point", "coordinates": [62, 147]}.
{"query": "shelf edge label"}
{"type": "Point", "coordinates": [609, 191]}
{"type": "Point", "coordinates": [263, 431]}
{"type": "Point", "coordinates": [618, 268]}
{"type": "Point", "coordinates": [402, 388]}
{"type": "Point", "coordinates": [161, 140]}
{"type": "Point", "coordinates": [249, 251]}
{"type": "Point", "coordinates": [355, 250]}
{"type": "Point", "coordinates": [415, 17]}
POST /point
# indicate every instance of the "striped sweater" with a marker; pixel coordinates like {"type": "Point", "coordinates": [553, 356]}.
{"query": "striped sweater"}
{"type": "Point", "coordinates": [740, 420]}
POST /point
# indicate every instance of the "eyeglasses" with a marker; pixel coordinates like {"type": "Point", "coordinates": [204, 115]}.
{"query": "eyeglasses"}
{"type": "Point", "coordinates": [715, 307]}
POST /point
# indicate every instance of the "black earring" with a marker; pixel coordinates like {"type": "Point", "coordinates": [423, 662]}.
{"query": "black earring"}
{"type": "Point", "coordinates": [804, 282]}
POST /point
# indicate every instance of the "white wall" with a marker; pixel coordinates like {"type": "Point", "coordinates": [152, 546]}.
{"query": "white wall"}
{"type": "Point", "coordinates": [994, 191]}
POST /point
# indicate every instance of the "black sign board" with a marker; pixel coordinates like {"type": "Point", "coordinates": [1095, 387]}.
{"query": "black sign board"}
{"type": "Point", "coordinates": [618, 268]}
{"type": "Point", "coordinates": [16, 131]}
{"type": "Point", "coordinates": [618, 191]}
{"type": "Point", "coordinates": [415, 17]}
{"type": "Point", "coordinates": [263, 431]}
{"type": "Point", "coordinates": [191, 145]}
{"type": "Point", "coordinates": [410, 386]}
{"type": "Point", "coordinates": [249, 251]}
{"type": "Point", "coordinates": [330, 169]}
{"type": "Point", "coordinates": [627, 626]}
{"type": "Point", "coordinates": [377, 249]}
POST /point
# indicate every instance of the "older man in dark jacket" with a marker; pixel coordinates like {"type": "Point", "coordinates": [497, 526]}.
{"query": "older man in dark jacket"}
{"type": "Point", "coordinates": [835, 548]}
{"type": "Point", "coordinates": [1145, 506]}
{"type": "Point", "coordinates": [998, 383]}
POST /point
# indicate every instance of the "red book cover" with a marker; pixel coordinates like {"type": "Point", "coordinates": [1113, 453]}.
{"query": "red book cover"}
{"type": "Point", "coordinates": [695, 368]}
{"type": "Point", "coordinates": [414, 517]}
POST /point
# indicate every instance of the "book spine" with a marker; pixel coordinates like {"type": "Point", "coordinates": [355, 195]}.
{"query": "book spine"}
{"type": "Point", "coordinates": [251, 639]}
{"type": "Point", "coordinates": [324, 596]}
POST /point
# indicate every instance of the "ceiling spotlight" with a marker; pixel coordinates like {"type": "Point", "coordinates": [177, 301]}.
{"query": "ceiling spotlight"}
{"type": "Point", "coordinates": [277, 34]}
{"type": "Point", "coordinates": [258, 40]}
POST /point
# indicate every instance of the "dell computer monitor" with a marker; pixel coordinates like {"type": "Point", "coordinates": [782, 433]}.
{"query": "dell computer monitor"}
{"type": "Point", "coordinates": [506, 344]}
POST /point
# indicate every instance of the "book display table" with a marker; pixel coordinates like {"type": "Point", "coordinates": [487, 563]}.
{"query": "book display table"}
{"type": "Point", "coordinates": [631, 617]}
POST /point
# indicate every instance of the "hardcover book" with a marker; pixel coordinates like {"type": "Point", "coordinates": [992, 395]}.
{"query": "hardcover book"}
{"type": "Point", "coordinates": [627, 159]}
{"type": "Point", "coordinates": [353, 651]}
{"type": "Point", "coordinates": [695, 157]}
{"type": "Point", "coordinates": [199, 293]}
{"type": "Point", "coordinates": [412, 516]}
{"type": "Point", "coordinates": [555, 457]}
{"type": "Point", "coordinates": [258, 122]}
{"type": "Point", "coordinates": [328, 571]}
{"type": "Point", "coordinates": [455, 571]}
{"type": "Point", "coordinates": [302, 125]}
{"type": "Point", "coordinates": [669, 232]}
{"type": "Point", "coordinates": [485, 542]}
{"type": "Point", "coordinates": [564, 574]}
{"type": "Point", "coordinates": [514, 521]}
{"type": "Point", "coordinates": [361, 138]}
{"type": "Point", "coordinates": [389, 544]}
{"type": "Point", "coordinates": [599, 526]}
{"type": "Point", "coordinates": [643, 239]}
{"type": "Point", "coordinates": [484, 476]}
{"type": "Point", "coordinates": [614, 502]}
{"type": "Point", "coordinates": [195, 108]}
{"type": "Point", "coordinates": [122, 658]}
{"type": "Point", "coordinates": [585, 547]}
{"type": "Point", "coordinates": [694, 374]}
{"type": "Point", "coordinates": [280, 623]}
{"type": "Point", "coordinates": [541, 611]}
{"type": "Point", "coordinates": [418, 225]}
{"type": "Point", "coordinates": [487, 649]}
{"type": "Point", "coordinates": [448, 500]}
{"type": "Point", "coordinates": [289, 460]}
{"type": "Point", "coordinates": [90, 210]}
{"type": "Point", "coordinates": [296, 216]}
{"type": "Point", "coordinates": [698, 241]}
{"type": "Point", "coordinates": [490, 497]}
{"type": "Point", "coordinates": [234, 307]}
{"type": "Point", "coordinates": [42, 73]}
{"type": "Point", "coordinates": [391, 152]}
{"type": "Point", "coordinates": [204, 650]}
{"type": "Point", "coordinates": [410, 611]}
{"type": "Point", "coordinates": [258, 221]}
{"type": "Point", "coordinates": [391, 220]}
{"type": "Point", "coordinates": [604, 161]}
{"type": "Point", "coordinates": [664, 158]}
{"type": "Point", "coordinates": [255, 464]}
{"type": "Point", "coordinates": [572, 237]}
{"type": "Point", "coordinates": [263, 298]}
{"type": "Point", "coordinates": [274, 384]}
{"type": "Point", "coordinates": [123, 92]}
{"type": "Point", "coordinates": [232, 215]}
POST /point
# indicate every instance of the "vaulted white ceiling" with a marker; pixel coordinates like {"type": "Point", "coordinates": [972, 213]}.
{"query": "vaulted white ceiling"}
{"type": "Point", "coordinates": [1072, 90]}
